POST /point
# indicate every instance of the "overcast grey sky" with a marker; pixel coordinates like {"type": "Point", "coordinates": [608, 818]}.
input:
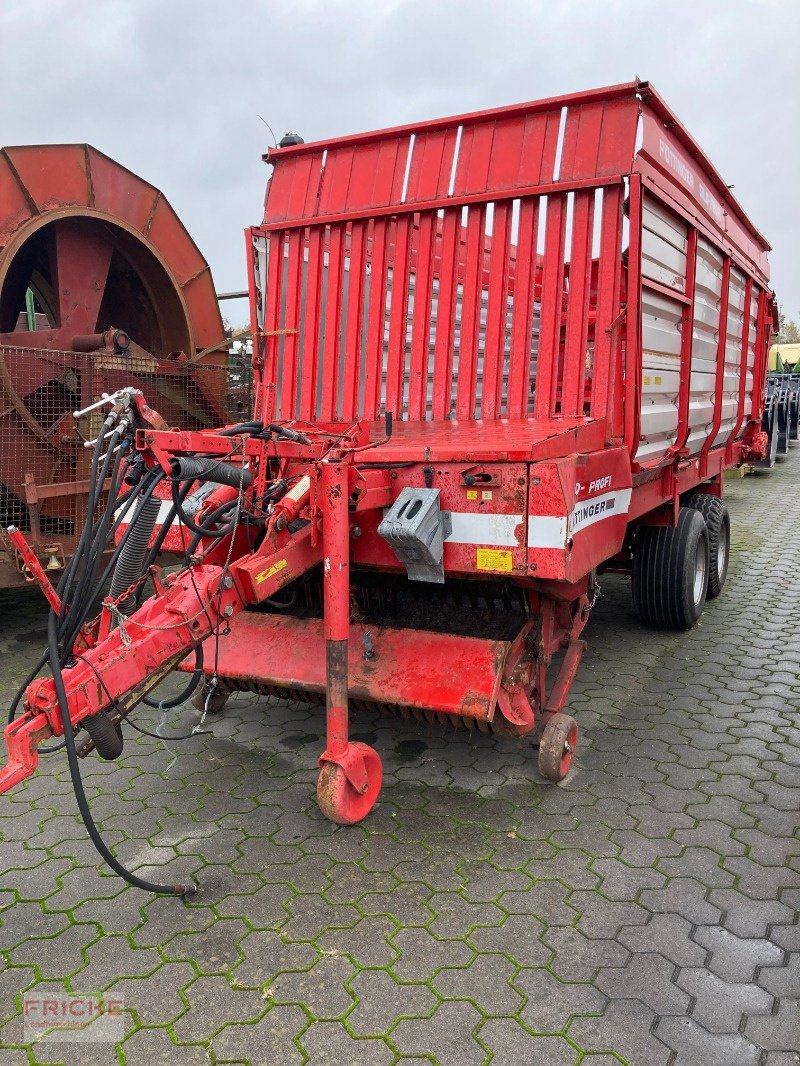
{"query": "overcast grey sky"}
{"type": "Point", "coordinates": [173, 89]}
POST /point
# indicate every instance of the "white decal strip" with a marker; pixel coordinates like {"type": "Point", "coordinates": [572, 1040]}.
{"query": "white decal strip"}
{"type": "Point", "coordinates": [493, 530]}
{"type": "Point", "coordinates": [552, 531]}
{"type": "Point", "coordinates": [587, 512]}
{"type": "Point", "coordinates": [547, 531]}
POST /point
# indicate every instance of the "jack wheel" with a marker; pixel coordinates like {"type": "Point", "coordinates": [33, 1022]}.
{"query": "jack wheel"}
{"type": "Point", "coordinates": [337, 798]}
{"type": "Point", "coordinates": [557, 747]}
{"type": "Point", "coordinates": [219, 697]}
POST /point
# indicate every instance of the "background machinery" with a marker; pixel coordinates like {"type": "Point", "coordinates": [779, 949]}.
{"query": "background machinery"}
{"type": "Point", "coordinates": [100, 286]}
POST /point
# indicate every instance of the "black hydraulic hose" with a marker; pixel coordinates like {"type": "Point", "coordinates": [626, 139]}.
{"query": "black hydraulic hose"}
{"type": "Point", "coordinates": [166, 525]}
{"type": "Point", "coordinates": [208, 522]}
{"type": "Point", "coordinates": [201, 468]}
{"type": "Point", "coordinates": [190, 523]}
{"type": "Point", "coordinates": [243, 427]}
{"type": "Point", "coordinates": [176, 701]}
{"type": "Point", "coordinates": [77, 783]}
{"type": "Point", "coordinates": [158, 476]}
{"type": "Point", "coordinates": [129, 562]}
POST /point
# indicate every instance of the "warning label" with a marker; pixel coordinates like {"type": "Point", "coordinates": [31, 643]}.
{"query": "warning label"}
{"type": "Point", "coordinates": [494, 559]}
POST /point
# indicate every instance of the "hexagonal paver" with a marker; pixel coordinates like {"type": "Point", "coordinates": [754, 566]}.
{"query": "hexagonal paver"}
{"type": "Point", "coordinates": [642, 912]}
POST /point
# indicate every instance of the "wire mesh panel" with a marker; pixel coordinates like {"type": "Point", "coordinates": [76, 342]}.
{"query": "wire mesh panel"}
{"type": "Point", "coordinates": [42, 458]}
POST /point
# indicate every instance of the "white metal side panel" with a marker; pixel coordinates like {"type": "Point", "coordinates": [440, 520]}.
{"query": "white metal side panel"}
{"type": "Point", "coordinates": [664, 244]}
{"type": "Point", "coordinates": [705, 341]}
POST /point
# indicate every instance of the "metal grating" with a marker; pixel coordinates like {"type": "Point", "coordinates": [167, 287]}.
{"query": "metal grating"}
{"type": "Point", "coordinates": [42, 458]}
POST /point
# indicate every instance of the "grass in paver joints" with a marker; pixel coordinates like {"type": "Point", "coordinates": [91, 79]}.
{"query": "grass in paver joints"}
{"type": "Point", "coordinates": [650, 844]}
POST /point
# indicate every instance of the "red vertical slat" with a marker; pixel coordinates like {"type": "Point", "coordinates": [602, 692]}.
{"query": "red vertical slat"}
{"type": "Point", "coordinates": [522, 322]}
{"type": "Point", "coordinates": [431, 163]}
{"type": "Point", "coordinates": [470, 314]}
{"type": "Point", "coordinates": [272, 320]}
{"type": "Point", "coordinates": [474, 153]}
{"type": "Point", "coordinates": [311, 321]}
{"type": "Point", "coordinates": [552, 293]}
{"type": "Point", "coordinates": [756, 408]}
{"type": "Point", "coordinates": [333, 317]}
{"type": "Point", "coordinates": [293, 188]}
{"type": "Point", "coordinates": [746, 327]}
{"type": "Point", "coordinates": [538, 158]}
{"type": "Point", "coordinates": [294, 281]}
{"type": "Point", "coordinates": [496, 312]}
{"type": "Point", "coordinates": [421, 329]}
{"type": "Point", "coordinates": [687, 330]}
{"type": "Point", "coordinates": [355, 309]}
{"type": "Point", "coordinates": [376, 318]}
{"type": "Point", "coordinates": [719, 384]}
{"type": "Point", "coordinates": [607, 375]}
{"type": "Point", "coordinates": [335, 181]}
{"type": "Point", "coordinates": [633, 322]}
{"type": "Point", "coordinates": [581, 141]}
{"type": "Point", "coordinates": [580, 271]}
{"type": "Point", "coordinates": [398, 317]}
{"type": "Point", "coordinates": [446, 316]}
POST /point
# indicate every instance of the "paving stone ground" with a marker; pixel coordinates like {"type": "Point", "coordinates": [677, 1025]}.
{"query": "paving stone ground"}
{"type": "Point", "coordinates": [643, 912]}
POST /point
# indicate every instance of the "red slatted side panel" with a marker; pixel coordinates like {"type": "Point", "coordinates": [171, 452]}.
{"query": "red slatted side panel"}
{"type": "Point", "coordinates": [552, 291]}
{"type": "Point", "coordinates": [291, 341]}
{"type": "Point", "coordinates": [607, 333]}
{"type": "Point", "coordinates": [398, 317]}
{"type": "Point", "coordinates": [420, 334]}
{"type": "Point", "coordinates": [470, 313]}
{"type": "Point", "coordinates": [580, 272]}
{"type": "Point", "coordinates": [522, 322]}
{"type": "Point", "coordinates": [494, 346]}
{"type": "Point", "coordinates": [331, 348]}
{"type": "Point", "coordinates": [431, 165]}
{"type": "Point", "coordinates": [446, 315]}
{"type": "Point", "coordinates": [472, 169]}
{"type": "Point", "coordinates": [599, 139]}
{"type": "Point", "coordinates": [311, 324]}
{"type": "Point", "coordinates": [272, 321]}
{"type": "Point", "coordinates": [376, 317]}
{"type": "Point", "coordinates": [293, 189]}
{"type": "Point", "coordinates": [355, 311]}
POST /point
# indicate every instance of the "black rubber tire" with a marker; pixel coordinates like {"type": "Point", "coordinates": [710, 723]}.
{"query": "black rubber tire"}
{"type": "Point", "coordinates": [665, 564]}
{"type": "Point", "coordinates": [718, 521]}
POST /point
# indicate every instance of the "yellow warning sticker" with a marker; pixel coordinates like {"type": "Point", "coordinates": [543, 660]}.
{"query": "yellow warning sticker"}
{"type": "Point", "coordinates": [494, 559]}
{"type": "Point", "coordinates": [271, 571]}
{"type": "Point", "coordinates": [472, 494]}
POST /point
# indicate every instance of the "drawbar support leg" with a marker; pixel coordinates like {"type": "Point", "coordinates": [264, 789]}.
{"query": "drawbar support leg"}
{"type": "Point", "coordinates": [350, 773]}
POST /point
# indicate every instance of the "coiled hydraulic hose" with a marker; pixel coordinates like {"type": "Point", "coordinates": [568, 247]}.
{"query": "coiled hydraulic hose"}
{"type": "Point", "coordinates": [129, 564]}
{"type": "Point", "coordinates": [77, 784]}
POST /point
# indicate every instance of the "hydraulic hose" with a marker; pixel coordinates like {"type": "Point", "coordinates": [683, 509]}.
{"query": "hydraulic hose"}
{"type": "Point", "coordinates": [200, 468]}
{"type": "Point", "coordinates": [77, 783]}
{"type": "Point", "coordinates": [129, 563]}
{"type": "Point", "coordinates": [176, 701]}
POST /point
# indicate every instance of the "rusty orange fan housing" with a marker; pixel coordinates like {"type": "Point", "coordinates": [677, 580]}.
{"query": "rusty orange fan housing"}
{"type": "Point", "coordinates": [87, 246]}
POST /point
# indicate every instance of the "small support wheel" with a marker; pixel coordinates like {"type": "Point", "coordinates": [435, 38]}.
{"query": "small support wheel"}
{"type": "Point", "coordinates": [338, 799]}
{"type": "Point", "coordinates": [557, 747]}
{"type": "Point", "coordinates": [219, 697]}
